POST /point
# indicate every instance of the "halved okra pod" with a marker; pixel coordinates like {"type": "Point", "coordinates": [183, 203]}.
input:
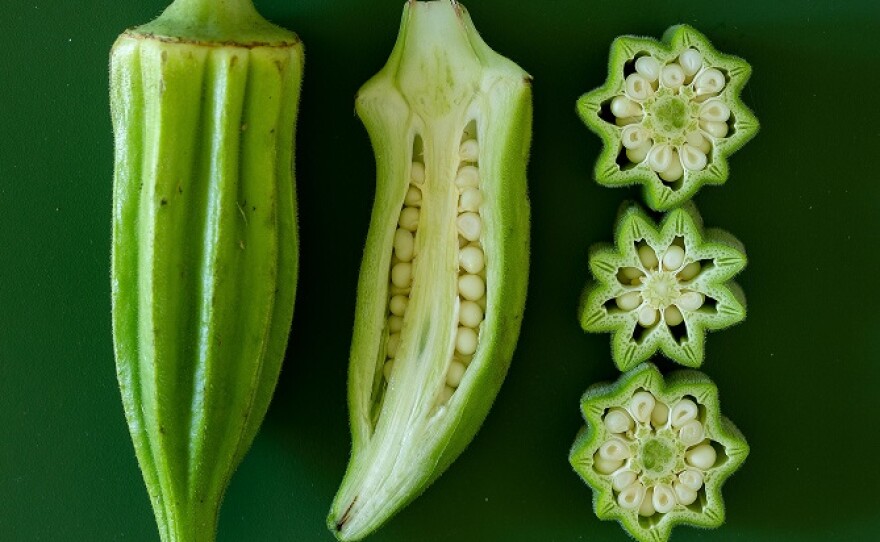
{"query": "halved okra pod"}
{"type": "Point", "coordinates": [443, 279]}
{"type": "Point", "coordinates": [656, 452]}
{"type": "Point", "coordinates": [204, 263]}
{"type": "Point", "coordinates": [669, 115]}
{"type": "Point", "coordinates": [661, 287]}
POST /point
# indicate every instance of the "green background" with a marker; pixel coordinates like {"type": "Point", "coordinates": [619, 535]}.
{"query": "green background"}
{"type": "Point", "coordinates": [799, 377]}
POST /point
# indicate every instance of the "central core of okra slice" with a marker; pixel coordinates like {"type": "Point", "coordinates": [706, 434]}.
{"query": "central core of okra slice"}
{"type": "Point", "coordinates": [656, 454]}
{"type": "Point", "coordinates": [471, 260]}
{"type": "Point", "coordinates": [671, 113]}
{"type": "Point", "coordinates": [657, 288]}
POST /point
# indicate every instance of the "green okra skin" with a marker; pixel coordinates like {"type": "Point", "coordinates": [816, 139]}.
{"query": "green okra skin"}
{"type": "Point", "coordinates": [661, 287]}
{"type": "Point", "coordinates": [669, 115]}
{"type": "Point", "coordinates": [204, 250]}
{"type": "Point", "coordinates": [657, 451]}
{"type": "Point", "coordinates": [443, 279]}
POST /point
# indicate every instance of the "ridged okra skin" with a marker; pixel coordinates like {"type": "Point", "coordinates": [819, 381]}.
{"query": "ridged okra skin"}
{"type": "Point", "coordinates": [443, 280]}
{"type": "Point", "coordinates": [204, 249]}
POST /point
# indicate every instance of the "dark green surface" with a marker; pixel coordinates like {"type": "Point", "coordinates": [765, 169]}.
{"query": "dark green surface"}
{"type": "Point", "coordinates": [799, 377]}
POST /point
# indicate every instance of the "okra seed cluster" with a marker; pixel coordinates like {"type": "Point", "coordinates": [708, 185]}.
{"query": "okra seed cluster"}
{"type": "Point", "coordinates": [657, 289]}
{"type": "Point", "coordinates": [671, 115]}
{"type": "Point", "coordinates": [471, 264]}
{"type": "Point", "coordinates": [656, 455]}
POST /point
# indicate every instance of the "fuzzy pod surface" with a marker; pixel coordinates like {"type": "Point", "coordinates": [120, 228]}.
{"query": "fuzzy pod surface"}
{"type": "Point", "coordinates": [205, 250]}
{"type": "Point", "coordinates": [443, 280]}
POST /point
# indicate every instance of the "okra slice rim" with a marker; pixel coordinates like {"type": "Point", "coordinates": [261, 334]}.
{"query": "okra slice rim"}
{"type": "Point", "coordinates": [614, 168]}
{"type": "Point", "coordinates": [730, 448]}
{"type": "Point", "coordinates": [719, 301]}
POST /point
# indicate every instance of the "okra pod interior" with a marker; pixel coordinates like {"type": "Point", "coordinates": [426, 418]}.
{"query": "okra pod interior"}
{"type": "Point", "coordinates": [442, 283]}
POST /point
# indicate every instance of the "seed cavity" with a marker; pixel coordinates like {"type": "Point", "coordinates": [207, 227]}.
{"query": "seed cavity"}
{"type": "Point", "coordinates": [657, 287]}
{"type": "Point", "coordinates": [471, 260]}
{"type": "Point", "coordinates": [656, 453]}
{"type": "Point", "coordinates": [671, 114]}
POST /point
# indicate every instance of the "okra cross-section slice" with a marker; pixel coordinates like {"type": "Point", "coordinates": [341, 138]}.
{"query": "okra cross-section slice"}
{"type": "Point", "coordinates": [669, 115]}
{"type": "Point", "coordinates": [656, 453]}
{"type": "Point", "coordinates": [443, 279]}
{"type": "Point", "coordinates": [661, 287]}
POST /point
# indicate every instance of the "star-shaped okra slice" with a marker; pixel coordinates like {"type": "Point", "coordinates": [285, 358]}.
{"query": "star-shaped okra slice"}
{"type": "Point", "coordinates": [669, 115]}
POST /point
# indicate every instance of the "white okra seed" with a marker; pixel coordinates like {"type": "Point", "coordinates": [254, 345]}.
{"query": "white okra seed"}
{"type": "Point", "coordinates": [467, 176]}
{"type": "Point", "coordinates": [470, 226]}
{"type": "Point", "coordinates": [675, 171]}
{"type": "Point", "coordinates": [690, 271]}
{"type": "Point", "coordinates": [673, 258]}
{"type": "Point", "coordinates": [660, 157]}
{"type": "Point", "coordinates": [690, 301]}
{"type": "Point", "coordinates": [471, 259]}
{"type": "Point", "coordinates": [648, 316]}
{"type": "Point", "coordinates": [702, 457]}
{"type": "Point", "coordinates": [638, 154]}
{"type": "Point", "coordinates": [664, 498]}
{"type": "Point", "coordinates": [647, 507]}
{"type": "Point", "coordinates": [683, 494]}
{"type": "Point", "coordinates": [471, 287]}
{"type": "Point", "coordinates": [398, 304]}
{"type": "Point", "coordinates": [606, 466]}
{"type": "Point", "coordinates": [470, 314]}
{"type": "Point", "coordinates": [641, 405]}
{"type": "Point", "coordinates": [469, 151]}
{"type": "Point", "coordinates": [404, 244]}
{"type": "Point", "coordinates": [614, 449]}
{"type": "Point", "coordinates": [637, 87]}
{"type": "Point", "coordinates": [626, 121]}
{"type": "Point", "coordinates": [691, 479]}
{"type": "Point", "coordinates": [618, 420]}
{"type": "Point", "coordinates": [392, 345]}
{"type": "Point", "coordinates": [629, 301]}
{"type": "Point", "coordinates": [692, 158]}
{"type": "Point", "coordinates": [623, 107]}
{"type": "Point", "coordinates": [672, 316]}
{"type": "Point", "coordinates": [683, 412]}
{"type": "Point", "coordinates": [455, 374]}
{"type": "Point", "coordinates": [714, 129]}
{"type": "Point", "coordinates": [672, 76]}
{"type": "Point", "coordinates": [714, 110]}
{"type": "Point", "coordinates": [413, 197]}
{"type": "Point", "coordinates": [691, 61]}
{"type": "Point", "coordinates": [417, 173]}
{"type": "Point", "coordinates": [648, 67]}
{"type": "Point", "coordinates": [401, 275]}
{"type": "Point", "coordinates": [470, 200]}
{"type": "Point", "coordinates": [691, 433]}
{"type": "Point", "coordinates": [628, 274]}
{"type": "Point", "coordinates": [634, 136]}
{"type": "Point", "coordinates": [387, 368]}
{"type": "Point", "coordinates": [623, 479]}
{"type": "Point", "coordinates": [698, 141]}
{"type": "Point", "coordinates": [660, 414]}
{"type": "Point", "coordinates": [710, 81]}
{"type": "Point", "coordinates": [631, 497]}
{"type": "Point", "coordinates": [648, 257]}
{"type": "Point", "coordinates": [445, 395]}
{"type": "Point", "coordinates": [466, 341]}
{"type": "Point", "coordinates": [409, 218]}
{"type": "Point", "coordinates": [395, 323]}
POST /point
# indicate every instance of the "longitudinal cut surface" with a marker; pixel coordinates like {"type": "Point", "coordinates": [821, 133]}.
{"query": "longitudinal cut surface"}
{"type": "Point", "coordinates": [443, 280]}
{"type": "Point", "coordinates": [204, 244]}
